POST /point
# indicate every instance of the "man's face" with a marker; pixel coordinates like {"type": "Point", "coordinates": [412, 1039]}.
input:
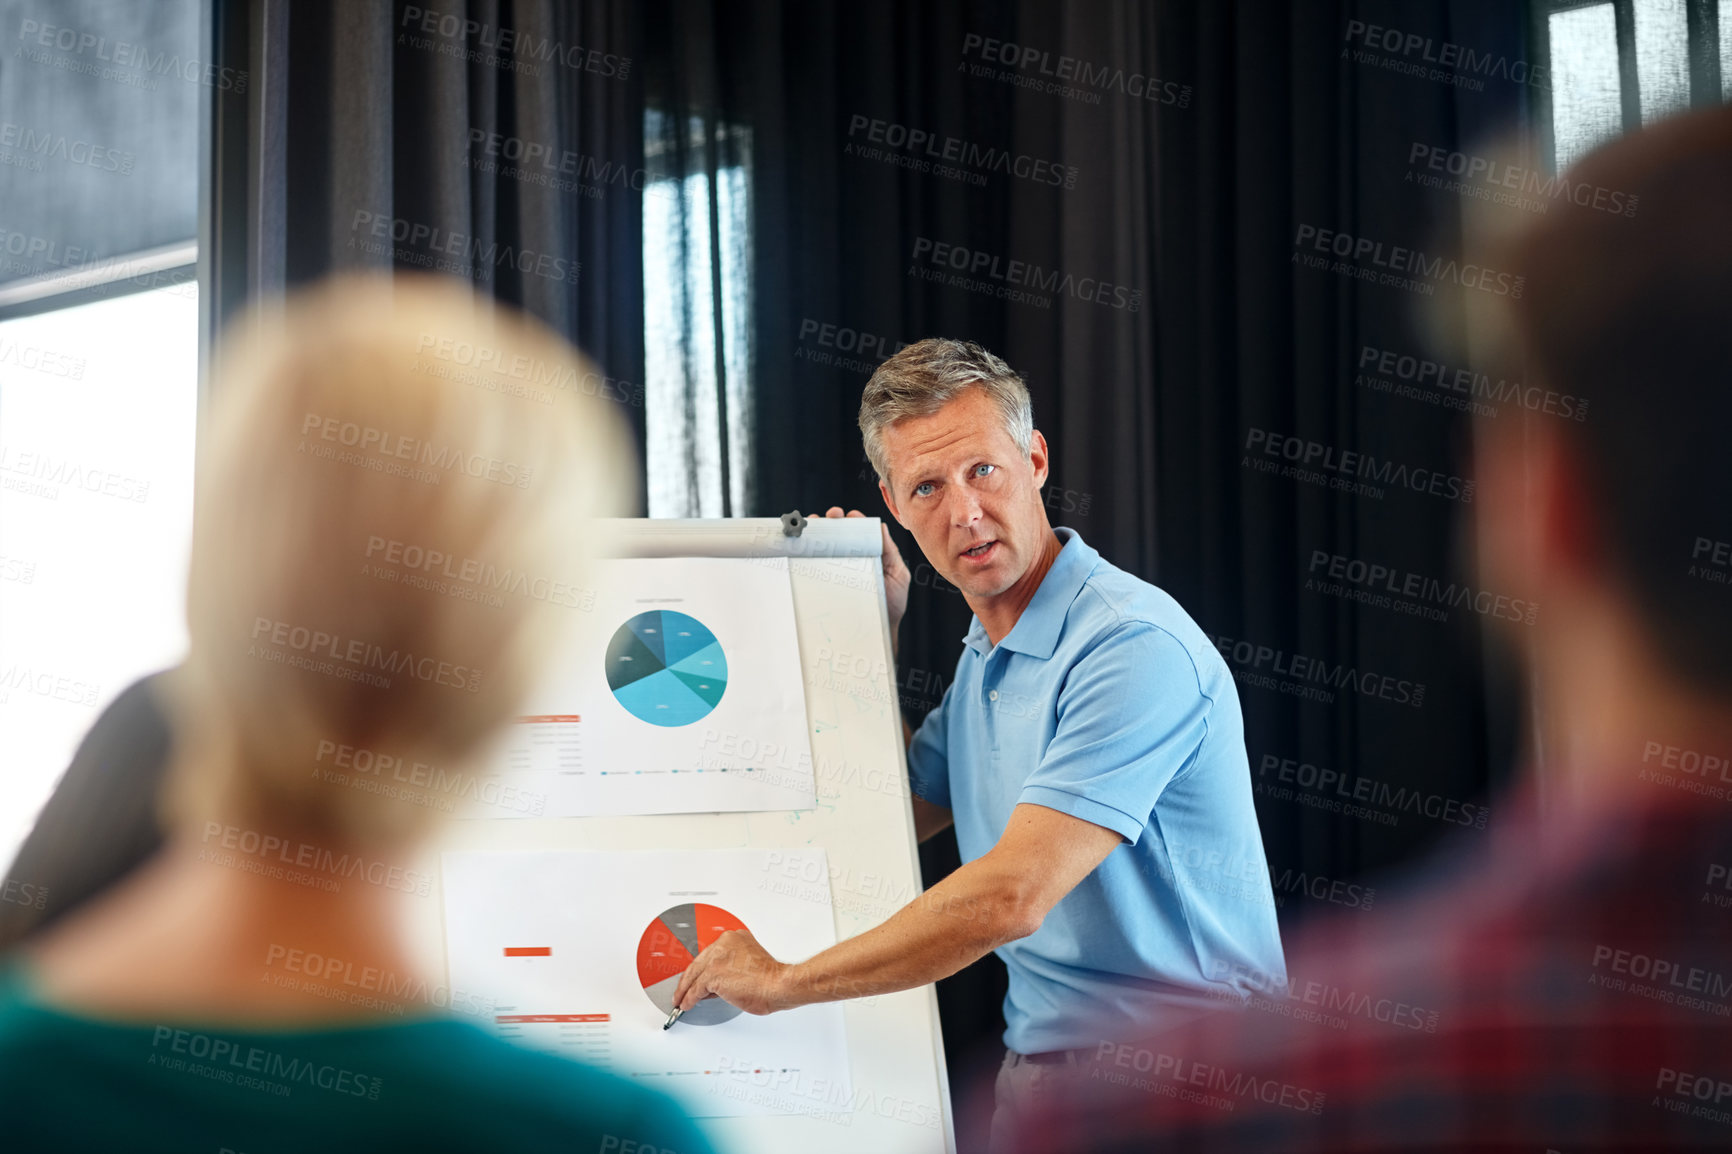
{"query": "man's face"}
{"type": "Point", "coordinates": [971, 499]}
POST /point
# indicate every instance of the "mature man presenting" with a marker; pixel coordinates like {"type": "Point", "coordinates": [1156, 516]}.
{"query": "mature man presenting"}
{"type": "Point", "coordinates": [1090, 750]}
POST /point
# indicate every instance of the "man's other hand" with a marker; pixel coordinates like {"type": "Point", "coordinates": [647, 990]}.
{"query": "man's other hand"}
{"type": "Point", "coordinates": [897, 578]}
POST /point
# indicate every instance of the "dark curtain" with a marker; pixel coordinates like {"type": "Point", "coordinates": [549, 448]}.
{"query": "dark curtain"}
{"type": "Point", "coordinates": [499, 141]}
{"type": "Point", "coordinates": [1189, 204]}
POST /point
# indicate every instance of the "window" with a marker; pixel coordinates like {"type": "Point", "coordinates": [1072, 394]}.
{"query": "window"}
{"type": "Point", "coordinates": [697, 310]}
{"type": "Point", "coordinates": [1618, 65]}
{"type": "Point", "coordinates": [99, 353]}
{"type": "Point", "coordinates": [98, 407]}
{"type": "Point", "coordinates": [1725, 50]}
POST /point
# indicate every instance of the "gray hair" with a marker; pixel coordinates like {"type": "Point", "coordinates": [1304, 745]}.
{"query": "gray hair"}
{"type": "Point", "coordinates": [927, 375]}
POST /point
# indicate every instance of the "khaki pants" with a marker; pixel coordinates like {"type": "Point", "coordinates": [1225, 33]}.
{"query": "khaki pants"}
{"type": "Point", "coordinates": [1022, 1088]}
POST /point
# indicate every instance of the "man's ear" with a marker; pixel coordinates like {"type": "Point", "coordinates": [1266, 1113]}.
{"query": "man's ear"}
{"type": "Point", "coordinates": [1037, 458]}
{"type": "Point", "coordinates": [889, 501]}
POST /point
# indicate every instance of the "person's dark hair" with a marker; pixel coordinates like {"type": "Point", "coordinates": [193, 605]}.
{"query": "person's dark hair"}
{"type": "Point", "coordinates": [1633, 313]}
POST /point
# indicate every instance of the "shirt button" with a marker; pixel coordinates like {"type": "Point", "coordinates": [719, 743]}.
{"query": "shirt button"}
{"type": "Point", "coordinates": [993, 696]}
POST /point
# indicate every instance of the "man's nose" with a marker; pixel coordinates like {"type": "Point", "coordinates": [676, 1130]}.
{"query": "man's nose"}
{"type": "Point", "coordinates": [964, 507]}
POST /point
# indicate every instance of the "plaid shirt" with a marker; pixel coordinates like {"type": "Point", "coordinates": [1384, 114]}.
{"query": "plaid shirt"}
{"type": "Point", "coordinates": [1562, 985]}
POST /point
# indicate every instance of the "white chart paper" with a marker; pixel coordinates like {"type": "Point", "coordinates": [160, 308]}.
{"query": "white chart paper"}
{"type": "Point", "coordinates": [579, 952]}
{"type": "Point", "coordinates": [683, 694]}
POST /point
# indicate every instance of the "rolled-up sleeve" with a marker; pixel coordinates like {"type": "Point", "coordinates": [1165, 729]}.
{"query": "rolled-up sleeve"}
{"type": "Point", "coordinates": [929, 755]}
{"type": "Point", "coordinates": [1131, 716]}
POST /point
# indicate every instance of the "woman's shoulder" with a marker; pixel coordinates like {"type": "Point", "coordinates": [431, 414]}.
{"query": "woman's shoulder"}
{"type": "Point", "coordinates": [454, 1062]}
{"type": "Point", "coordinates": [418, 1079]}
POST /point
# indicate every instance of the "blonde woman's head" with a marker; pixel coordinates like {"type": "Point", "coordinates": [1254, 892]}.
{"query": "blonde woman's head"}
{"type": "Point", "coordinates": [391, 533]}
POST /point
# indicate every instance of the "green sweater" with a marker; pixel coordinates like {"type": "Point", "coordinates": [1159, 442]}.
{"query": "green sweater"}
{"type": "Point", "coordinates": [72, 1084]}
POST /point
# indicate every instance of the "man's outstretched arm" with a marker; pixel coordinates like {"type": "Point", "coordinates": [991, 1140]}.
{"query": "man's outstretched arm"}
{"type": "Point", "coordinates": [997, 898]}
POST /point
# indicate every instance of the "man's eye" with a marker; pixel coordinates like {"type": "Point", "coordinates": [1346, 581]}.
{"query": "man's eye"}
{"type": "Point", "coordinates": [983, 470]}
{"type": "Point", "coordinates": [924, 489]}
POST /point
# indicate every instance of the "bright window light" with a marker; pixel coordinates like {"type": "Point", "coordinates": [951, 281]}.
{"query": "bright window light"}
{"type": "Point", "coordinates": [683, 434]}
{"type": "Point", "coordinates": [1586, 100]}
{"type": "Point", "coordinates": [1726, 49]}
{"type": "Point", "coordinates": [98, 409]}
{"type": "Point", "coordinates": [1662, 61]}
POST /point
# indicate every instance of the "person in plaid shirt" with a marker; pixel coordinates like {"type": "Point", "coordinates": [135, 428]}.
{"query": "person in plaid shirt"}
{"type": "Point", "coordinates": [1562, 982]}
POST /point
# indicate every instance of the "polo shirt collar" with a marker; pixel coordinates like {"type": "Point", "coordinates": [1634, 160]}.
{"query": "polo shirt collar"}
{"type": "Point", "coordinates": [1035, 633]}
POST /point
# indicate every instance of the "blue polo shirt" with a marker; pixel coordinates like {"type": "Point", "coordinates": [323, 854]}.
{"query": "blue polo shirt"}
{"type": "Point", "coordinates": [1106, 702]}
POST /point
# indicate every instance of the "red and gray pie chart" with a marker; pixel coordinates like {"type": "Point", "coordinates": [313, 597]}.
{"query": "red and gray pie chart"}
{"type": "Point", "coordinates": [671, 943]}
{"type": "Point", "coordinates": [666, 668]}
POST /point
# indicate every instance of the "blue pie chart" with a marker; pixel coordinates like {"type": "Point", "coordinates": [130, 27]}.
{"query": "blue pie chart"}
{"type": "Point", "coordinates": [666, 668]}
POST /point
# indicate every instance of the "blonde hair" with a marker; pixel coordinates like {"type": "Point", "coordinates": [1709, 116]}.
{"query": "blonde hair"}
{"type": "Point", "coordinates": [394, 476]}
{"type": "Point", "coordinates": [927, 375]}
